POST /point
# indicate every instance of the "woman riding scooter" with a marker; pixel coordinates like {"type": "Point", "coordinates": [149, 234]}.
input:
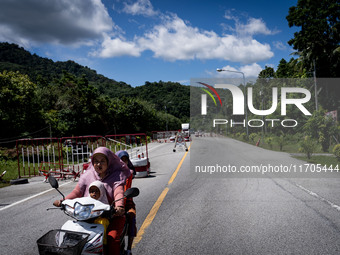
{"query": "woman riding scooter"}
{"type": "Point", "coordinates": [113, 173]}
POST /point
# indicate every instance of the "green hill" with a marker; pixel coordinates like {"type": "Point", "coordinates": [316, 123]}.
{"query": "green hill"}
{"type": "Point", "coordinates": [169, 97]}
{"type": "Point", "coordinates": [40, 97]}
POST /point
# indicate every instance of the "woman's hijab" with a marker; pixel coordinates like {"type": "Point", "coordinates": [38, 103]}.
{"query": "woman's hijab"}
{"type": "Point", "coordinates": [116, 174]}
{"type": "Point", "coordinates": [123, 153]}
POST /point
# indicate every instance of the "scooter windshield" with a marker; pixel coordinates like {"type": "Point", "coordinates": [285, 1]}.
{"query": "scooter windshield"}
{"type": "Point", "coordinates": [82, 212]}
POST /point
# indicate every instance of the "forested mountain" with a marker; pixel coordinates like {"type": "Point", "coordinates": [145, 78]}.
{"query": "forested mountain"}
{"type": "Point", "coordinates": [70, 99]}
{"type": "Point", "coordinates": [43, 70]}
{"type": "Point", "coordinates": [170, 97]}
{"type": "Point", "coordinates": [173, 96]}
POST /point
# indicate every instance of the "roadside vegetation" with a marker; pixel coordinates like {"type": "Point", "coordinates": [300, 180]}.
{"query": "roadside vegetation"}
{"type": "Point", "coordinates": [303, 148]}
{"type": "Point", "coordinates": [9, 164]}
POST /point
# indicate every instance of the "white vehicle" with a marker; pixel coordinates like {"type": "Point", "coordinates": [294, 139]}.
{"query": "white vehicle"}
{"type": "Point", "coordinates": [172, 139]}
{"type": "Point", "coordinates": [142, 166]}
{"type": "Point", "coordinates": [185, 128]}
{"type": "Point", "coordinates": [186, 131]}
{"type": "Point", "coordinates": [80, 235]}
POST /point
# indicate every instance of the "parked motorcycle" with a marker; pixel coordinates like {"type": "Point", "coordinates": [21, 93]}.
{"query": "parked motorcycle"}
{"type": "Point", "coordinates": [81, 235]}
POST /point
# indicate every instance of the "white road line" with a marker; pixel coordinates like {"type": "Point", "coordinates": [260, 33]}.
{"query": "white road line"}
{"type": "Point", "coordinates": [28, 198]}
{"type": "Point", "coordinates": [151, 149]}
{"type": "Point", "coordinates": [319, 197]}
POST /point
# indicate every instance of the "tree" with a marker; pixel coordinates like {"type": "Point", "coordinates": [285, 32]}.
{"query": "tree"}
{"type": "Point", "coordinates": [282, 69]}
{"type": "Point", "coordinates": [308, 146]}
{"type": "Point", "coordinates": [267, 72]}
{"type": "Point", "coordinates": [336, 151]}
{"type": "Point", "coordinates": [73, 107]}
{"type": "Point", "coordinates": [321, 127]}
{"type": "Point", "coordinates": [19, 110]}
{"type": "Point", "coordinates": [319, 37]}
{"type": "Point", "coordinates": [75, 100]}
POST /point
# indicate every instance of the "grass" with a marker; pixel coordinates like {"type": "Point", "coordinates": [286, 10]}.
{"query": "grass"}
{"type": "Point", "coordinates": [11, 168]}
{"type": "Point", "coordinates": [322, 160]}
{"type": "Point", "coordinates": [293, 147]}
{"type": "Point", "coordinates": [289, 147]}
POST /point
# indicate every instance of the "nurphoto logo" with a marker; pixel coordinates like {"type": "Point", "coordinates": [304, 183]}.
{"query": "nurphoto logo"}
{"type": "Point", "coordinates": [297, 96]}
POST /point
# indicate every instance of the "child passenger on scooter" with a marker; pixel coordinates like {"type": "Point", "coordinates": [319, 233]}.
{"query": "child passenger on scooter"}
{"type": "Point", "coordinates": [130, 206]}
{"type": "Point", "coordinates": [97, 191]}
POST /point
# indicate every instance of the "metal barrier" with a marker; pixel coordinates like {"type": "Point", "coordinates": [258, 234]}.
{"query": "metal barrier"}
{"type": "Point", "coordinates": [31, 152]}
{"type": "Point", "coordinates": [135, 144]}
{"type": "Point", "coordinates": [163, 136]}
{"type": "Point", "coordinates": [68, 156]}
{"type": "Point", "coordinates": [137, 147]}
{"type": "Point", "coordinates": [77, 151]}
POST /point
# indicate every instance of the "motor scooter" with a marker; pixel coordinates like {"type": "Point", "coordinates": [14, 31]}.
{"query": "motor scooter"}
{"type": "Point", "coordinates": [81, 235]}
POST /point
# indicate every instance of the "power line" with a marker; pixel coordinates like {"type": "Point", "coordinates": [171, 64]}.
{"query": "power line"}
{"type": "Point", "coordinates": [13, 139]}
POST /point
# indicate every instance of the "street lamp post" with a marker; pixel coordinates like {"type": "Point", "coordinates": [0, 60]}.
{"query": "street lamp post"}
{"type": "Point", "coordinates": [244, 91]}
{"type": "Point", "coordinates": [316, 91]}
{"type": "Point", "coordinates": [226, 114]}
{"type": "Point", "coordinates": [166, 115]}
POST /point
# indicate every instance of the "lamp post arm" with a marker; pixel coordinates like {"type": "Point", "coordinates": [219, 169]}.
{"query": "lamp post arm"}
{"type": "Point", "coordinates": [244, 91]}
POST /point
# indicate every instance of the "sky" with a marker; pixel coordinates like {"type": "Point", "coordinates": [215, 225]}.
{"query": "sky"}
{"type": "Point", "coordinates": [135, 41]}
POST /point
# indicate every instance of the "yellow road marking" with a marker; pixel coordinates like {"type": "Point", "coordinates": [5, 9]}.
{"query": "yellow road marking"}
{"type": "Point", "coordinates": [152, 214]}
{"type": "Point", "coordinates": [178, 167]}
{"type": "Point", "coordinates": [148, 220]}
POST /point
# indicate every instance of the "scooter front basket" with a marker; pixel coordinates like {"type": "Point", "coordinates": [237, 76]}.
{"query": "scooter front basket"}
{"type": "Point", "coordinates": [62, 242]}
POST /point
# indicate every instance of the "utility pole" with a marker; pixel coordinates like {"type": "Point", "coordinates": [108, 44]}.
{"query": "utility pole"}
{"type": "Point", "coordinates": [316, 91]}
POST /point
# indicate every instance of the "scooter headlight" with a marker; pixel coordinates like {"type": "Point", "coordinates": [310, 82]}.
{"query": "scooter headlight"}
{"type": "Point", "coordinates": [69, 210]}
{"type": "Point", "coordinates": [82, 212]}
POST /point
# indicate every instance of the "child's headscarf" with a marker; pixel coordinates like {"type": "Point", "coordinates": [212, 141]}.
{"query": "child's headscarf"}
{"type": "Point", "coordinates": [102, 198]}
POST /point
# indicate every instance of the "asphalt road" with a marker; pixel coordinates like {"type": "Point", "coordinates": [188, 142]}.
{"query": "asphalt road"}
{"type": "Point", "coordinates": [203, 213]}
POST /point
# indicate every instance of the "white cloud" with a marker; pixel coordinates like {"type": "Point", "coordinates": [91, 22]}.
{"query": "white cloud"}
{"type": "Point", "coordinates": [251, 70]}
{"type": "Point", "coordinates": [175, 40]}
{"type": "Point", "coordinates": [141, 7]}
{"type": "Point", "coordinates": [279, 45]}
{"type": "Point", "coordinates": [8, 35]}
{"type": "Point", "coordinates": [184, 82]}
{"type": "Point", "coordinates": [117, 47]}
{"type": "Point", "coordinates": [76, 22]}
{"type": "Point", "coordinates": [229, 15]}
{"type": "Point", "coordinates": [253, 27]}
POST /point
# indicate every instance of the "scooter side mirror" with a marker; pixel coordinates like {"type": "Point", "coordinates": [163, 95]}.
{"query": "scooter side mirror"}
{"type": "Point", "coordinates": [53, 181]}
{"type": "Point", "coordinates": [131, 192]}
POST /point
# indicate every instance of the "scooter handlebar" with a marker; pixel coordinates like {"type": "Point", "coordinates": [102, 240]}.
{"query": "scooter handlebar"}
{"type": "Point", "coordinates": [52, 208]}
